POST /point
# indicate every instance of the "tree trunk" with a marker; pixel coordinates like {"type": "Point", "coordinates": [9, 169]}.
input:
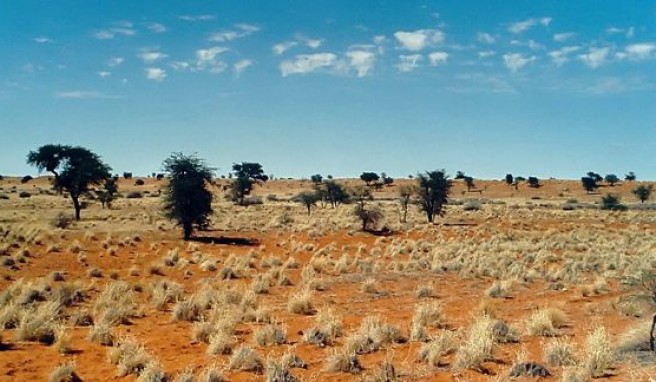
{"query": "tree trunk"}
{"type": "Point", "coordinates": [186, 227]}
{"type": "Point", "coordinates": [76, 205]}
{"type": "Point", "coordinates": [309, 209]}
{"type": "Point", "coordinates": [652, 340]}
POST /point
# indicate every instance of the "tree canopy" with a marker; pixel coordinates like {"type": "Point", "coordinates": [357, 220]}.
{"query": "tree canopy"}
{"type": "Point", "coordinates": [433, 189]}
{"type": "Point", "coordinates": [75, 169]}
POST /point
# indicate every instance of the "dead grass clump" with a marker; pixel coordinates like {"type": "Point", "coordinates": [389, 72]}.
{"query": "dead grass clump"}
{"type": "Point", "coordinates": [163, 292]}
{"type": "Point", "coordinates": [479, 345]}
{"type": "Point", "coordinates": [211, 374]}
{"type": "Point", "coordinates": [278, 371]}
{"type": "Point", "coordinates": [343, 361]}
{"type": "Point", "coordinates": [372, 335]}
{"type": "Point", "coordinates": [443, 344]}
{"type": "Point", "coordinates": [500, 289]}
{"type": "Point", "coordinates": [385, 372]}
{"type": "Point", "coordinates": [424, 291]}
{"type": "Point", "coordinates": [270, 335]}
{"type": "Point", "coordinates": [39, 324]}
{"type": "Point", "coordinates": [546, 322]}
{"type": "Point", "coordinates": [560, 353]}
{"type": "Point", "coordinates": [301, 303]}
{"type": "Point", "coordinates": [129, 356]}
{"type": "Point", "coordinates": [94, 272]}
{"type": "Point", "coordinates": [598, 356]}
{"type": "Point", "coordinates": [245, 359]}
{"type": "Point", "coordinates": [64, 373]}
{"type": "Point", "coordinates": [504, 333]}
{"type": "Point", "coordinates": [62, 340]}
{"type": "Point", "coordinates": [153, 372]}
{"type": "Point", "coordinates": [369, 286]}
{"type": "Point", "coordinates": [101, 333]}
{"type": "Point", "coordinates": [116, 304]}
{"type": "Point", "coordinates": [81, 317]}
{"type": "Point", "coordinates": [221, 343]}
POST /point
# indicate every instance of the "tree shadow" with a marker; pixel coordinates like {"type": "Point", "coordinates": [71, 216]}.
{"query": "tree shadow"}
{"type": "Point", "coordinates": [226, 240]}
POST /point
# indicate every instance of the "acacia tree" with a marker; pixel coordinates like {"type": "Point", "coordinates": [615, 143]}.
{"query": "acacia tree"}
{"type": "Point", "coordinates": [611, 179]}
{"type": "Point", "coordinates": [368, 177]}
{"type": "Point", "coordinates": [247, 174]}
{"type": "Point", "coordinates": [186, 197]}
{"type": "Point", "coordinates": [469, 182]}
{"type": "Point", "coordinates": [308, 199]}
{"type": "Point", "coordinates": [589, 184]}
{"type": "Point", "coordinates": [334, 193]}
{"type": "Point", "coordinates": [405, 197]}
{"type": "Point", "coordinates": [369, 216]}
{"type": "Point", "coordinates": [643, 192]}
{"type": "Point", "coordinates": [75, 169]}
{"type": "Point", "coordinates": [433, 190]}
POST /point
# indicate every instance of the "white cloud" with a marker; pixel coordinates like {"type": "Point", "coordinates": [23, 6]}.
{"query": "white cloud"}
{"type": "Point", "coordinates": [562, 37]}
{"type": "Point", "coordinates": [640, 51]}
{"type": "Point", "coordinates": [104, 74]}
{"type": "Point", "coordinates": [42, 40]}
{"type": "Point", "coordinates": [486, 54]}
{"type": "Point", "coordinates": [313, 43]}
{"type": "Point", "coordinates": [418, 40]}
{"type": "Point", "coordinates": [241, 65]}
{"type": "Point", "coordinates": [123, 28]}
{"type": "Point", "coordinates": [436, 58]}
{"type": "Point", "coordinates": [361, 60]}
{"type": "Point", "coordinates": [115, 61]}
{"type": "Point", "coordinates": [84, 94]}
{"type": "Point", "coordinates": [283, 47]}
{"type": "Point", "coordinates": [157, 27]}
{"type": "Point", "coordinates": [180, 65]}
{"type": "Point", "coordinates": [197, 17]}
{"type": "Point", "coordinates": [523, 26]}
{"type": "Point", "coordinates": [486, 38]}
{"type": "Point", "coordinates": [628, 32]}
{"type": "Point", "coordinates": [155, 74]}
{"type": "Point", "coordinates": [379, 39]}
{"type": "Point", "coordinates": [242, 30]}
{"type": "Point", "coordinates": [595, 57]}
{"type": "Point", "coordinates": [560, 56]}
{"type": "Point", "coordinates": [516, 61]}
{"type": "Point", "coordinates": [207, 59]}
{"type": "Point", "coordinates": [308, 63]}
{"type": "Point", "coordinates": [409, 63]}
{"type": "Point", "coordinates": [151, 56]}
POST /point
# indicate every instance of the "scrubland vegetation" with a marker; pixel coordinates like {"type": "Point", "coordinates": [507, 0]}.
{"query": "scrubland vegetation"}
{"type": "Point", "coordinates": [292, 280]}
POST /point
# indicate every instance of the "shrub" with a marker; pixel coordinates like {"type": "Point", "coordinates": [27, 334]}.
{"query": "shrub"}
{"type": "Point", "coordinates": [533, 182]}
{"type": "Point", "coordinates": [134, 195]}
{"type": "Point", "coordinates": [64, 373]}
{"type": "Point", "coordinates": [598, 356]}
{"type": "Point", "coordinates": [479, 345]}
{"type": "Point", "coordinates": [442, 345]}
{"type": "Point", "coordinates": [643, 192]}
{"type": "Point", "coordinates": [341, 361]}
{"type": "Point", "coordinates": [433, 190]}
{"type": "Point", "coordinates": [139, 182]}
{"type": "Point", "coordinates": [26, 179]}
{"type": "Point", "coordinates": [24, 194]}
{"type": "Point", "coordinates": [127, 175]}
{"type": "Point", "coordinates": [560, 353]}
{"type": "Point", "coordinates": [301, 303]}
{"type": "Point", "coordinates": [245, 359]}
{"type": "Point", "coordinates": [62, 220]}
{"type": "Point", "coordinates": [612, 203]}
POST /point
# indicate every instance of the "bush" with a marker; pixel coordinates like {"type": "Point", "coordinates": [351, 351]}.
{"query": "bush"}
{"type": "Point", "coordinates": [159, 176]}
{"type": "Point", "coordinates": [61, 220]}
{"type": "Point", "coordinates": [472, 205]}
{"type": "Point", "coordinates": [612, 203]}
{"type": "Point", "coordinates": [127, 175]}
{"type": "Point", "coordinates": [26, 179]}
{"type": "Point", "coordinates": [134, 195]}
{"type": "Point", "coordinates": [24, 194]}
{"type": "Point", "coordinates": [139, 182]}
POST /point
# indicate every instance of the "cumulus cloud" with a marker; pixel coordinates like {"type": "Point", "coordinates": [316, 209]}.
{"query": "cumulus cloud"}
{"type": "Point", "coordinates": [408, 63]}
{"type": "Point", "coordinates": [282, 47]}
{"type": "Point", "coordinates": [42, 40]}
{"type": "Point", "coordinates": [595, 57]}
{"type": "Point", "coordinates": [523, 26]}
{"type": "Point", "coordinates": [115, 61]}
{"type": "Point", "coordinates": [241, 65]}
{"type": "Point", "coordinates": [197, 17]}
{"type": "Point", "coordinates": [313, 43]}
{"type": "Point", "coordinates": [308, 63]}
{"type": "Point", "coordinates": [361, 60]}
{"type": "Point", "coordinates": [561, 56]}
{"type": "Point", "coordinates": [155, 74]}
{"type": "Point", "coordinates": [149, 56]}
{"type": "Point", "coordinates": [240, 31]}
{"type": "Point", "coordinates": [486, 38]}
{"type": "Point", "coordinates": [420, 39]}
{"type": "Point", "coordinates": [436, 58]}
{"type": "Point", "coordinates": [104, 74]}
{"type": "Point", "coordinates": [516, 61]}
{"type": "Point", "coordinates": [208, 59]}
{"type": "Point", "coordinates": [157, 28]}
{"type": "Point", "coordinates": [562, 37]}
{"type": "Point", "coordinates": [639, 51]}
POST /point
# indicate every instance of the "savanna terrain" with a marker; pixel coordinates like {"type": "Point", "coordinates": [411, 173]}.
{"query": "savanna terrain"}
{"type": "Point", "coordinates": [507, 278]}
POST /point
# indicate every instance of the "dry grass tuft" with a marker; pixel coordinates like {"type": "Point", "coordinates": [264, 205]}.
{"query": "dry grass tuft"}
{"type": "Point", "coordinates": [479, 345]}
{"type": "Point", "coordinates": [598, 356]}
{"type": "Point", "coordinates": [343, 361]}
{"type": "Point", "coordinates": [560, 353]}
{"type": "Point", "coordinates": [301, 303]}
{"type": "Point", "coordinates": [64, 373]}
{"type": "Point", "coordinates": [270, 335]}
{"type": "Point", "coordinates": [246, 359]}
{"type": "Point", "coordinates": [443, 344]}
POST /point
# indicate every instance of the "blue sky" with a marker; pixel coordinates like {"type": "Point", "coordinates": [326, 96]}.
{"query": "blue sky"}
{"type": "Point", "coordinates": [545, 88]}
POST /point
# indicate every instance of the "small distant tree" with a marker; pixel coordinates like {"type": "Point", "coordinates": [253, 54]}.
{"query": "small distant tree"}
{"type": "Point", "coordinates": [308, 199]}
{"type": "Point", "coordinates": [460, 175]}
{"type": "Point", "coordinates": [630, 177]}
{"type": "Point", "coordinates": [612, 202]}
{"type": "Point", "coordinates": [520, 179]}
{"type": "Point", "coordinates": [75, 169]}
{"type": "Point", "coordinates": [387, 181]}
{"type": "Point", "coordinates": [368, 177]}
{"type": "Point", "coordinates": [106, 196]}
{"type": "Point", "coordinates": [533, 182]}
{"type": "Point", "coordinates": [433, 189]}
{"type": "Point", "coordinates": [246, 175]}
{"type": "Point", "coordinates": [611, 179]}
{"type": "Point", "coordinates": [369, 216]}
{"type": "Point", "coordinates": [316, 178]}
{"type": "Point", "coordinates": [589, 184]}
{"type": "Point", "coordinates": [405, 197]}
{"type": "Point", "coordinates": [643, 193]}
{"type": "Point", "coordinates": [26, 179]}
{"type": "Point", "coordinates": [127, 175]}
{"type": "Point", "coordinates": [469, 182]}
{"type": "Point", "coordinates": [334, 193]}
{"type": "Point", "coordinates": [509, 179]}
{"type": "Point", "coordinates": [187, 198]}
{"type": "Point", "coordinates": [597, 178]}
